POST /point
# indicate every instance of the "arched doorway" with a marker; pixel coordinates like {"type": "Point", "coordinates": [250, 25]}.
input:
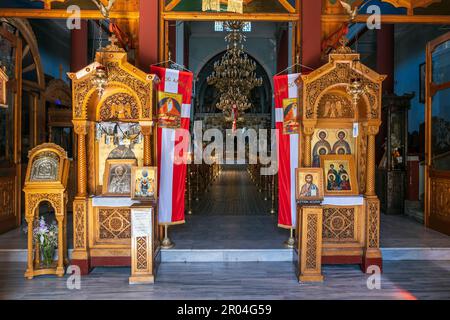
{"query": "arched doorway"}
{"type": "Point", "coordinates": [206, 96]}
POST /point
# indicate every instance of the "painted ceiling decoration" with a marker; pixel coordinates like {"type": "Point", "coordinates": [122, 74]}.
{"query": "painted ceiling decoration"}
{"type": "Point", "coordinates": [48, 3]}
{"type": "Point", "coordinates": [237, 6]}
{"type": "Point", "coordinates": [410, 5]}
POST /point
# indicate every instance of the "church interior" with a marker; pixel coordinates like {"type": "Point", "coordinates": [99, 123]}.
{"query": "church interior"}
{"type": "Point", "coordinates": [96, 100]}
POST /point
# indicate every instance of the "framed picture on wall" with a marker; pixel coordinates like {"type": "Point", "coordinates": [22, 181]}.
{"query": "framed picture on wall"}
{"type": "Point", "coordinates": [422, 72]}
{"type": "Point", "coordinates": [340, 175]}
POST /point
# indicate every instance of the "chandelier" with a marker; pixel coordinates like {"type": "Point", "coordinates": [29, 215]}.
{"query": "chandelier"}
{"type": "Point", "coordinates": [234, 75]}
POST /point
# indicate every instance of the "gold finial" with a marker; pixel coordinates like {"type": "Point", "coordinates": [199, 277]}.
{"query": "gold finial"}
{"type": "Point", "coordinates": [343, 48]}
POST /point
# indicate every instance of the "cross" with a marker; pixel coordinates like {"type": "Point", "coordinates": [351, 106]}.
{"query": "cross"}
{"type": "Point", "coordinates": [113, 40]}
{"type": "Point", "coordinates": [343, 41]}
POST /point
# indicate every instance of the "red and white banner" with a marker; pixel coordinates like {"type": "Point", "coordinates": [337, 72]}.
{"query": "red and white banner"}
{"type": "Point", "coordinates": [173, 145]}
{"type": "Point", "coordinates": [287, 150]}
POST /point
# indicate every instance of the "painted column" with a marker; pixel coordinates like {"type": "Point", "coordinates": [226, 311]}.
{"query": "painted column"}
{"type": "Point", "coordinates": [385, 55]}
{"type": "Point", "coordinates": [148, 33]}
{"type": "Point", "coordinates": [79, 45]}
{"type": "Point", "coordinates": [311, 38]}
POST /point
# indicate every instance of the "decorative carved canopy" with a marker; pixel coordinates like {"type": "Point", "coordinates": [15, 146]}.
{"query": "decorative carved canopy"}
{"type": "Point", "coordinates": [325, 89]}
{"type": "Point", "coordinates": [124, 80]}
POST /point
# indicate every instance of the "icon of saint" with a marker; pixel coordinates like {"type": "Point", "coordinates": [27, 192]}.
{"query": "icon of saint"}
{"type": "Point", "coordinates": [345, 183]}
{"type": "Point", "coordinates": [342, 144]}
{"type": "Point", "coordinates": [332, 183]}
{"type": "Point", "coordinates": [120, 180]}
{"type": "Point", "coordinates": [309, 189]}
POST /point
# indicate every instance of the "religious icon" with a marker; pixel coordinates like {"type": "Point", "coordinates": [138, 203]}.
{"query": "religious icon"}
{"type": "Point", "coordinates": [331, 141]}
{"type": "Point", "coordinates": [341, 146]}
{"type": "Point", "coordinates": [322, 147]}
{"type": "Point", "coordinates": [309, 185]}
{"type": "Point", "coordinates": [290, 114]}
{"type": "Point", "coordinates": [144, 183]}
{"type": "Point", "coordinates": [117, 177]}
{"type": "Point", "coordinates": [340, 173]}
{"type": "Point", "coordinates": [45, 167]}
{"type": "Point", "coordinates": [169, 109]}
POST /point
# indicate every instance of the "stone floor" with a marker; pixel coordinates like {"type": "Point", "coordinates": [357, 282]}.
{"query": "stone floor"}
{"type": "Point", "coordinates": [241, 220]}
{"type": "Point", "coordinates": [236, 281]}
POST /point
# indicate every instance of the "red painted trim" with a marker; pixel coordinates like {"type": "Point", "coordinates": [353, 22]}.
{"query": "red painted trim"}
{"type": "Point", "coordinates": [342, 260]}
{"type": "Point", "coordinates": [110, 261]}
{"type": "Point", "coordinates": [367, 262]}
{"type": "Point", "coordinates": [83, 265]}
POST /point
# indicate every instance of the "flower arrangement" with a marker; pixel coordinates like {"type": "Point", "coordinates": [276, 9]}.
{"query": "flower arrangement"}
{"type": "Point", "coordinates": [46, 235]}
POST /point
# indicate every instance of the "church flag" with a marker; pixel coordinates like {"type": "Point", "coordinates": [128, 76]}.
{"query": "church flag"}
{"type": "Point", "coordinates": [286, 110]}
{"type": "Point", "coordinates": [174, 94]}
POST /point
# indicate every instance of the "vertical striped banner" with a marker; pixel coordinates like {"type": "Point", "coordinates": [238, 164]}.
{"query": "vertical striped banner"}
{"type": "Point", "coordinates": [287, 152]}
{"type": "Point", "coordinates": [173, 144]}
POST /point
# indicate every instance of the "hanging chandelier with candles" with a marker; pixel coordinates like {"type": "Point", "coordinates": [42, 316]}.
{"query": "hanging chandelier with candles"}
{"type": "Point", "coordinates": [234, 76]}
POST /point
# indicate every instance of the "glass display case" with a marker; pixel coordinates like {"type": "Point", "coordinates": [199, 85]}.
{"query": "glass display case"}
{"type": "Point", "coordinates": [391, 171]}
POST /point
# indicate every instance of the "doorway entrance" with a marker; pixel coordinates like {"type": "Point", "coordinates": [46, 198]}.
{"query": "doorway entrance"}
{"type": "Point", "coordinates": [437, 128]}
{"type": "Point", "coordinates": [235, 213]}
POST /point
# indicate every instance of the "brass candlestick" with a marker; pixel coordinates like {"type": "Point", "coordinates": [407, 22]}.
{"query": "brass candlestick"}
{"type": "Point", "coordinates": [166, 242]}
{"type": "Point", "coordinates": [290, 242]}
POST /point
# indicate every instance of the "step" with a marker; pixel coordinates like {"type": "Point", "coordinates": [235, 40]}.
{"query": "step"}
{"type": "Point", "coordinates": [257, 255]}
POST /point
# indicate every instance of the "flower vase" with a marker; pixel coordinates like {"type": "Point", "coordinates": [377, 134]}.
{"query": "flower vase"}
{"type": "Point", "coordinates": [48, 254]}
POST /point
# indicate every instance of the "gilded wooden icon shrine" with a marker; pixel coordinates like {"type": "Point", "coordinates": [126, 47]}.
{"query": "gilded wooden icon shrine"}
{"type": "Point", "coordinates": [46, 181]}
{"type": "Point", "coordinates": [102, 226]}
{"type": "Point", "coordinates": [336, 121]}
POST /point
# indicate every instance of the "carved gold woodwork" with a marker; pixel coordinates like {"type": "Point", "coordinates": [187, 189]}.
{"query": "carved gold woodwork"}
{"type": "Point", "coordinates": [3, 80]}
{"type": "Point", "coordinates": [144, 247]}
{"type": "Point", "coordinates": [310, 244]}
{"type": "Point", "coordinates": [348, 231]}
{"type": "Point", "coordinates": [105, 232]}
{"type": "Point", "coordinates": [46, 181]}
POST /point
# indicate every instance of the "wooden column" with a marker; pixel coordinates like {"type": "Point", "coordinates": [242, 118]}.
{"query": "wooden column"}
{"type": "Point", "coordinates": [310, 244]}
{"type": "Point", "coordinates": [372, 131]}
{"type": "Point", "coordinates": [29, 217]}
{"type": "Point", "coordinates": [147, 132]}
{"type": "Point", "coordinates": [372, 253]}
{"type": "Point", "coordinates": [307, 132]}
{"type": "Point", "coordinates": [80, 207]}
{"type": "Point", "coordinates": [61, 242]}
{"type": "Point", "coordinates": [81, 128]}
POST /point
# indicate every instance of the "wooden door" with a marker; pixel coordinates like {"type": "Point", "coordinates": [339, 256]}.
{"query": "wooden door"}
{"type": "Point", "coordinates": [437, 127]}
{"type": "Point", "coordinates": [10, 132]}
